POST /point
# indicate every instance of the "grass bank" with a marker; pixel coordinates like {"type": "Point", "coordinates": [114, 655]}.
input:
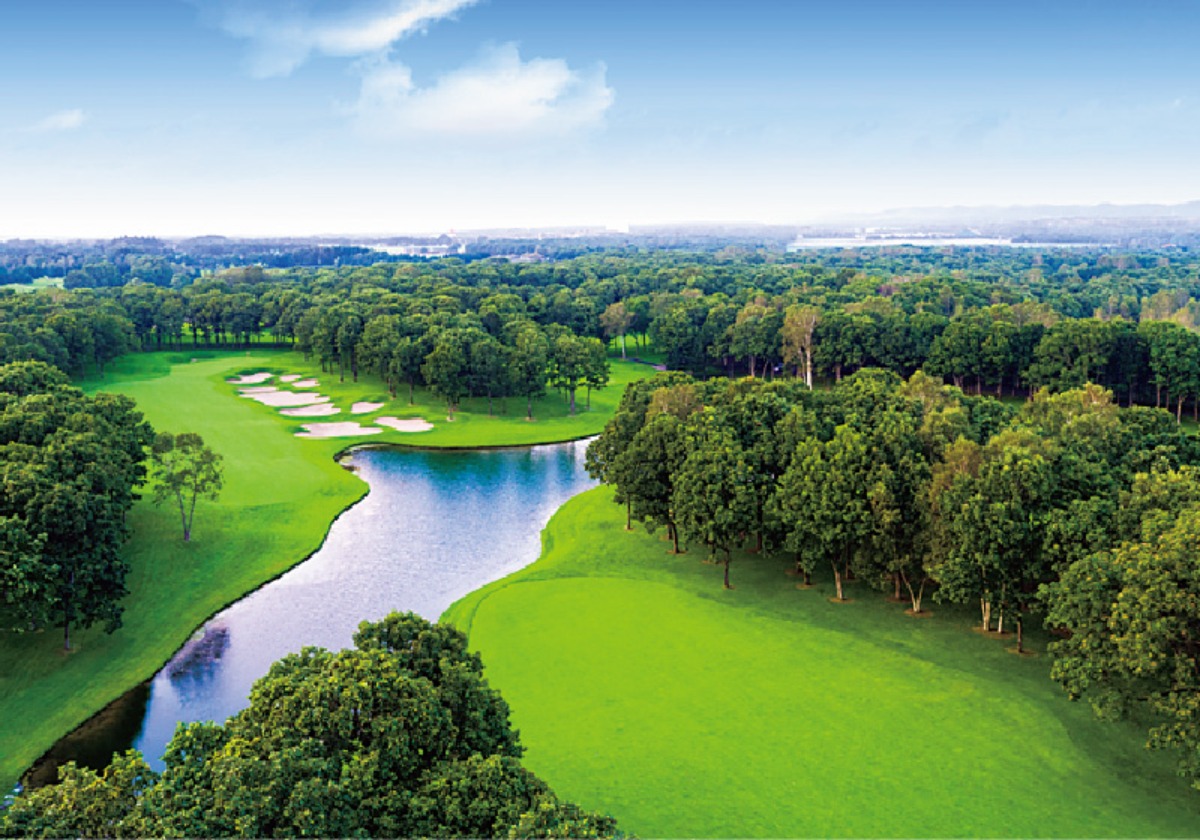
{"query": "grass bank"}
{"type": "Point", "coordinates": [641, 687]}
{"type": "Point", "coordinates": [281, 494]}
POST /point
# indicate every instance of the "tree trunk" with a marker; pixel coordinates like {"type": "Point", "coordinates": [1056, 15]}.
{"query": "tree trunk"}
{"type": "Point", "coordinates": [182, 516]}
{"type": "Point", "coordinates": [187, 529]}
{"type": "Point", "coordinates": [1020, 635]}
{"type": "Point", "coordinates": [628, 515]}
{"type": "Point", "coordinates": [837, 372]}
{"type": "Point", "coordinates": [837, 580]}
{"type": "Point", "coordinates": [622, 346]}
{"type": "Point", "coordinates": [727, 558]}
{"type": "Point", "coordinates": [807, 578]}
{"type": "Point", "coordinates": [1179, 411]}
{"type": "Point", "coordinates": [808, 373]}
{"type": "Point", "coordinates": [572, 402]}
{"type": "Point", "coordinates": [529, 406]}
{"type": "Point", "coordinates": [674, 532]}
{"type": "Point", "coordinates": [410, 392]}
{"type": "Point", "coordinates": [67, 604]}
{"type": "Point", "coordinates": [915, 595]}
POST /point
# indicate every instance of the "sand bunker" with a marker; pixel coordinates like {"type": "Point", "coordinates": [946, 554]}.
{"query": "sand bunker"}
{"type": "Point", "coordinates": [406, 424]}
{"type": "Point", "coordinates": [287, 399]}
{"type": "Point", "coordinates": [261, 389]}
{"type": "Point", "coordinates": [365, 407]}
{"type": "Point", "coordinates": [317, 410]}
{"type": "Point", "coordinates": [328, 430]}
{"type": "Point", "coordinates": [304, 383]}
{"type": "Point", "coordinates": [249, 378]}
{"type": "Point", "coordinates": [291, 377]}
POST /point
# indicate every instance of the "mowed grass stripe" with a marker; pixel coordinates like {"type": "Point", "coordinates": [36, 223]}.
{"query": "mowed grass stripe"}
{"type": "Point", "coordinates": [642, 688]}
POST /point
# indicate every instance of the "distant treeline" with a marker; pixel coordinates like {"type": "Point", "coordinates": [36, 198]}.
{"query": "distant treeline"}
{"type": "Point", "coordinates": [1005, 320]}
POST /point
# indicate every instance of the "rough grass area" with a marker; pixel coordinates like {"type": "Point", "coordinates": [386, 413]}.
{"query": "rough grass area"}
{"type": "Point", "coordinates": [280, 497]}
{"type": "Point", "coordinates": [641, 687]}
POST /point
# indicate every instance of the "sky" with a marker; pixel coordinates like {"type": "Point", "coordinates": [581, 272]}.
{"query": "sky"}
{"type": "Point", "coordinates": [303, 117]}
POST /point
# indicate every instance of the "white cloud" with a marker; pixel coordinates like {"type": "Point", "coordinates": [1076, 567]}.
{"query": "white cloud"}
{"type": "Point", "coordinates": [498, 95]}
{"type": "Point", "coordinates": [283, 37]}
{"type": "Point", "coordinates": [60, 121]}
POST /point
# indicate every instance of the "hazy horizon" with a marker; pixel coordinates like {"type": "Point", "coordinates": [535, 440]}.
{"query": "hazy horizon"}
{"type": "Point", "coordinates": [388, 117]}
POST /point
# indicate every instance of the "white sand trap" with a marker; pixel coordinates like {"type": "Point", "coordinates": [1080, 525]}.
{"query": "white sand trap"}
{"type": "Point", "coordinates": [318, 410]}
{"type": "Point", "coordinates": [249, 378]}
{"type": "Point", "coordinates": [365, 407]}
{"type": "Point", "coordinates": [305, 383]}
{"type": "Point", "coordinates": [291, 377]}
{"type": "Point", "coordinates": [261, 389]}
{"type": "Point", "coordinates": [407, 424]}
{"type": "Point", "coordinates": [288, 399]}
{"type": "Point", "coordinates": [328, 430]}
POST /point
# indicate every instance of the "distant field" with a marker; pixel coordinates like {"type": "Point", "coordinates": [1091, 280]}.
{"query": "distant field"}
{"type": "Point", "coordinates": [280, 497]}
{"type": "Point", "coordinates": [643, 688]}
{"type": "Point", "coordinates": [39, 283]}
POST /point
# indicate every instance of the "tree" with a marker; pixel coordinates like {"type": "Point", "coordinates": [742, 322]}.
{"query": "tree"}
{"type": "Point", "coordinates": [616, 320]}
{"type": "Point", "coordinates": [647, 471]}
{"type": "Point", "coordinates": [823, 503]}
{"type": "Point", "coordinates": [799, 325]}
{"type": "Point", "coordinates": [713, 499]}
{"type": "Point", "coordinates": [530, 361]}
{"type": "Point", "coordinates": [447, 368]}
{"type": "Point", "coordinates": [183, 468]}
{"type": "Point", "coordinates": [1132, 620]}
{"type": "Point", "coordinates": [570, 363]}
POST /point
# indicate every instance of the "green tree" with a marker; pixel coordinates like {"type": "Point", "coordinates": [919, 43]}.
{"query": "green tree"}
{"type": "Point", "coordinates": [1132, 620]}
{"type": "Point", "coordinates": [615, 320]}
{"type": "Point", "coordinates": [184, 469]}
{"type": "Point", "coordinates": [713, 498]}
{"type": "Point", "coordinates": [530, 365]}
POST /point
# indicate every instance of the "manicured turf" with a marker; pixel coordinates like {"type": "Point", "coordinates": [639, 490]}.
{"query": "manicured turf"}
{"type": "Point", "coordinates": [281, 494]}
{"type": "Point", "coordinates": [641, 687]}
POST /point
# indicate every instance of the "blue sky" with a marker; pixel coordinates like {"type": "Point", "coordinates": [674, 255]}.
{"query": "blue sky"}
{"type": "Point", "coordinates": [248, 117]}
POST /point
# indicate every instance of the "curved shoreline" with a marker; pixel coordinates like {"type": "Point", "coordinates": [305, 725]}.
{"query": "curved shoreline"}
{"type": "Point", "coordinates": [338, 456]}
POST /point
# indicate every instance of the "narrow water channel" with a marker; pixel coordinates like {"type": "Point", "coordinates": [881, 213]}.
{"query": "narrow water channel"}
{"type": "Point", "coordinates": [435, 526]}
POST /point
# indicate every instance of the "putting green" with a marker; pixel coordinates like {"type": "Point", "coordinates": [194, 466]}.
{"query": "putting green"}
{"type": "Point", "coordinates": [641, 687]}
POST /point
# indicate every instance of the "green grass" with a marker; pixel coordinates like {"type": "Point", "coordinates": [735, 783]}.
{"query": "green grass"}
{"type": "Point", "coordinates": [644, 689]}
{"type": "Point", "coordinates": [281, 494]}
{"type": "Point", "coordinates": [38, 283]}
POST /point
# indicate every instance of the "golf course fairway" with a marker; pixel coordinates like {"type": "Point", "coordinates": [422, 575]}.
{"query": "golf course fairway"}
{"type": "Point", "coordinates": [643, 688]}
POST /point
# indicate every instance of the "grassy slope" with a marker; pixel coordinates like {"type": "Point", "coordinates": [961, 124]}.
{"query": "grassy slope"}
{"type": "Point", "coordinates": [281, 494]}
{"type": "Point", "coordinates": [642, 688]}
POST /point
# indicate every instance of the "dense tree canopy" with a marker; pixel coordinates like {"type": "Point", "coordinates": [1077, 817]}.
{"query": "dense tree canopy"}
{"type": "Point", "coordinates": [68, 468]}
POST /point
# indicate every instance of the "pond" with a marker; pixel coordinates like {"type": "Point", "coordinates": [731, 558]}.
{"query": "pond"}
{"type": "Point", "coordinates": [435, 526]}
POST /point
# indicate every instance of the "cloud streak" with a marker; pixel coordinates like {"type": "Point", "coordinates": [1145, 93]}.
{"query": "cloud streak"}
{"type": "Point", "coordinates": [499, 95]}
{"type": "Point", "coordinates": [283, 38]}
{"type": "Point", "coordinates": [61, 121]}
